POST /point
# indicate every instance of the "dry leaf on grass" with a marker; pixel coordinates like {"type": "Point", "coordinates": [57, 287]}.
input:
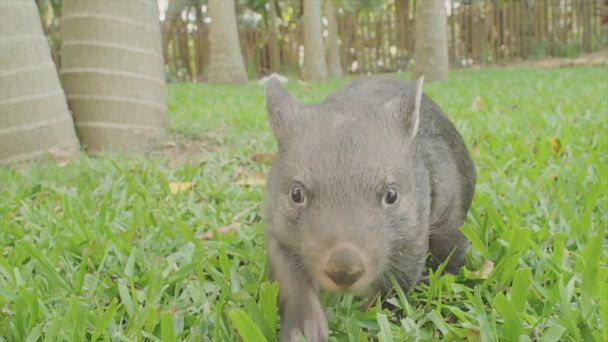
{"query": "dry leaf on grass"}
{"type": "Point", "coordinates": [475, 149]}
{"type": "Point", "coordinates": [221, 231]}
{"type": "Point", "coordinates": [231, 227]}
{"type": "Point", "coordinates": [176, 187]}
{"type": "Point", "coordinates": [478, 103]}
{"type": "Point", "coordinates": [473, 335]}
{"type": "Point", "coordinates": [239, 172]}
{"type": "Point", "coordinates": [556, 145]}
{"type": "Point", "coordinates": [486, 269]}
{"type": "Point", "coordinates": [263, 157]}
{"type": "Point", "coordinates": [305, 86]}
{"type": "Point", "coordinates": [252, 179]}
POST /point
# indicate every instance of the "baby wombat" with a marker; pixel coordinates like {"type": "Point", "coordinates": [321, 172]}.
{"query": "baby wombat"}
{"type": "Point", "coordinates": [365, 184]}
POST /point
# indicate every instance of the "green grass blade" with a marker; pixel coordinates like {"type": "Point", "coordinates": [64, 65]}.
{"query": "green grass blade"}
{"type": "Point", "coordinates": [554, 333]}
{"type": "Point", "coordinates": [102, 322]}
{"type": "Point", "coordinates": [125, 297]}
{"type": "Point", "coordinates": [592, 255]}
{"type": "Point", "coordinates": [385, 335]}
{"type": "Point", "coordinates": [166, 327]}
{"type": "Point", "coordinates": [520, 288]}
{"type": "Point", "coordinates": [246, 328]}
{"type": "Point", "coordinates": [269, 294]}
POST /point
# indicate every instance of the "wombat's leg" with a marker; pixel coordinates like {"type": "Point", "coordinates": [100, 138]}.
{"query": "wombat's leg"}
{"type": "Point", "coordinates": [442, 241]}
{"type": "Point", "coordinates": [301, 310]}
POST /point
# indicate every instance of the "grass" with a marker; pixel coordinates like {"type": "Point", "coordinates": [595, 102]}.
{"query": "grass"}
{"type": "Point", "coordinates": [102, 248]}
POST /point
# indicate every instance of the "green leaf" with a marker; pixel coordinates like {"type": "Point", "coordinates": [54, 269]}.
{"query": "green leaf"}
{"type": "Point", "coordinates": [77, 319]}
{"type": "Point", "coordinates": [520, 288]}
{"type": "Point", "coordinates": [166, 327]}
{"type": "Point", "coordinates": [482, 317]}
{"type": "Point", "coordinates": [34, 335]}
{"type": "Point", "coordinates": [438, 321]}
{"type": "Point", "coordinates": [592, 255]}
{"type": "Point", "coordinates": [269, 293]}
{"type": "Point", "coordinates": [45, 267]}
{"type": "Point", "coordinates": [246, 328]}
{"type": "Point", "coordinates": [476, 241]}
{"type": "Point", "coordinates": [405, 305]}
{"type": "Point", "coordinates": [102, 322]}
{"type": "Point", "coordinates": [79, 278]}
{"type": "Point", "coordinates": [554, 333]}
{"type": "Point", "coordinates": [385, 335]}
{"type": "Point", "coordinates": [125, 297]}
{"type": "Point", "coordinates": [352, 329]}
{"type": "Point", "coordinates": [224, 262]}
{"type": "Point", "coordinates": [512, 321]}
{"type": "Point", "coordinates": [129, 267]}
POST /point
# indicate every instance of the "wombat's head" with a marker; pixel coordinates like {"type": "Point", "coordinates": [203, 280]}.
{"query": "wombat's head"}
{"type": "Point", "coordinates": [342, 194]}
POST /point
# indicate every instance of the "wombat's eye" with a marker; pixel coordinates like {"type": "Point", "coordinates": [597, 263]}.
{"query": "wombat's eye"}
{"type": "Point", "coordinates": [297, 193]}
{"type": "Point", "coordinates": [391, 195]}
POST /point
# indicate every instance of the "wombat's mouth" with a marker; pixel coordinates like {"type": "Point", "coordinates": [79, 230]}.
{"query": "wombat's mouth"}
{"type": "Point", "coordinates": [329, 285]}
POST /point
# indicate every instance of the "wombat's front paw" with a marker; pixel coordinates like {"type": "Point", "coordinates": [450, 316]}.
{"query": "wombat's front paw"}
{"type": "Point", "coordinates": [307, 320]}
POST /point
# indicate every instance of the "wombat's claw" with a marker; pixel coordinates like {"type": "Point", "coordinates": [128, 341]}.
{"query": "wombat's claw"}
{"type": "Point", "coordinates": [316, 330]}
{"type": "Point", "coordinates": [313, 326]}
{"type": "Point", "coordinates": [312, 333]}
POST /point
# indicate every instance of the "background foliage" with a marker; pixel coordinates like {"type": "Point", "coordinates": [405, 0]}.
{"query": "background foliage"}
{"type": "Point", "coordinates": [375, 35]}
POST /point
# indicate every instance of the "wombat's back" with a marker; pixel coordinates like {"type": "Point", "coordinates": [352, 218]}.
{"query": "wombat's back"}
{"type": "Point", "coordinates": [370, 91]}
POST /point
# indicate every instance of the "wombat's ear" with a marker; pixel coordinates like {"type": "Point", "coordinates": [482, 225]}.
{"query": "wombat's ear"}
{"type": "Point", "coordinates": [407, 108]}
{"type": "Point", "coordinates": [282, 108]}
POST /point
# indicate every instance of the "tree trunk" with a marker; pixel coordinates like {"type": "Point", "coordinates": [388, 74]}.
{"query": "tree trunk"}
{"type": "Point", "coordinates": [169, 37]}
{"type": "Point", "coordinates": [524, 11]}
{"type": "Point", "coordinates": [380, 60]}
{"type": "Point", "coordinates": [402, 8]}
{"type": "Point", "coordinates": [184, 49]}
{"type": "Point", "coordinates": [453, 43]}
{"type": "Point", "coordinates": [274, 57]}
{"type": "Point", "coordinates": [202, 42]}
{"type": "Point", "coordinates": [314, 54]}
{"type": "Point", "coordinates": [349, 34]}
{"type": "Point", "coordinates": [34, 116]}
{"type": "Point", "coordinates": [226, 61]}
{"type": "Point", "coordinates": [366, 46]}
{"type": "Point", "coordinates": [476, 22]}
{"type": "Point", "coordinates": [431, 49]}
{"type": "Point", "coordinates": [112, 73]}
{"type": "Point", "coordinates": [334, 69]}
{"type": "Point", "coordinates": [587, 30]}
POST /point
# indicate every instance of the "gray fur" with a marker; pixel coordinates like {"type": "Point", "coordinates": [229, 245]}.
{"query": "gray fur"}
{"type": "Point", "coordinates": [345, 151]}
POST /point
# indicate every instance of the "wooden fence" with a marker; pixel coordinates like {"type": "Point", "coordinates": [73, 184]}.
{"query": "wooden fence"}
{"type": "Point", "coordinates": [381, 38]}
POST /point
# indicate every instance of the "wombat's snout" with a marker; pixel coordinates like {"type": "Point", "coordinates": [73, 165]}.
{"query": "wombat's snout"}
{"type": "Point", "coordinates": [344, 267]}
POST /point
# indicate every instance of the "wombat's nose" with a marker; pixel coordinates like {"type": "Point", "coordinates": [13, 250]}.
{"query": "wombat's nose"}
{"type": "Point", "coordinates": [344, 267]}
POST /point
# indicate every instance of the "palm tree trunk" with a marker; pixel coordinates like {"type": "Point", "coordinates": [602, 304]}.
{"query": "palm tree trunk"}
{"type": "Point", "coordinates": [274, 58]}
{"type": "Point", "coordinates": [334, 69]}
{"type": "Point", "coordinates": [431, 46]}
{"type": "Point", "coordinates": [34, 116]}
{"type": "Point", "coordinates": [587, 31]}
{"type": "Point", "coordinates": [112, 72]}
{"type": "Point", "coordinates": [402, 8]}
{"type": "Point", "coordinates": [314, 54]}
{"type": "Point", "coordinates": [226, 64]}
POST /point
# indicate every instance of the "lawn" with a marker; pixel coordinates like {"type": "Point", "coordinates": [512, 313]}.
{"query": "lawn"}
{"type": "Point", "coordinates": [114, 248]}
